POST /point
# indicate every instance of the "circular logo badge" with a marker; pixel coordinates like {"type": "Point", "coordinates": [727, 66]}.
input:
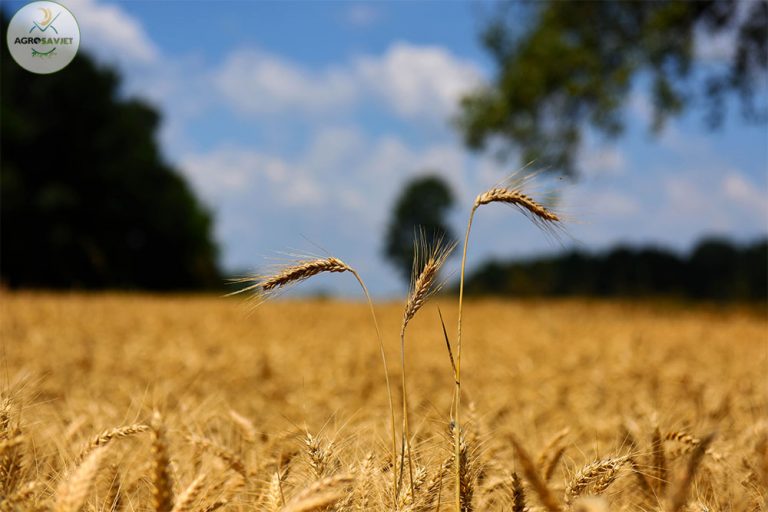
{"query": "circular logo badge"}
{"type": "Point", "coordinates": [43, 37]}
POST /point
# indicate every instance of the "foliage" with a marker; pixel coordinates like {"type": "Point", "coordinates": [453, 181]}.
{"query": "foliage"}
{"type": "Point", "coordinates": [716, 270]}
{"type": "Point", "coordinates": [576, 64]}
{"type": "Point", "coordinates": [87, 200]}
{"type": "Point", "coordinates": [423, 204]}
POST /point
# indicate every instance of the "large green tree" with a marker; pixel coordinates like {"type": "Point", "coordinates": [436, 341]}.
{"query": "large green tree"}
{"type": "Point", "coordinates": [422, 205]}
{"type": "Point", "coordinates": [562, 66]}
{"type": "Point", "coordinates": [86, 198]}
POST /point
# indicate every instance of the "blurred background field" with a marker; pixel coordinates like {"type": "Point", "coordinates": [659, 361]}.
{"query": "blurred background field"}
{"type": "Point", "coordinates": [77, 364]}
{"type": "Point", "coordinates": [341, 127]}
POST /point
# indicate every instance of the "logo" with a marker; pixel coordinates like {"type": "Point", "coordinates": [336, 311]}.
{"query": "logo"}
{"type": "Point", "coordinates": [43, 37]}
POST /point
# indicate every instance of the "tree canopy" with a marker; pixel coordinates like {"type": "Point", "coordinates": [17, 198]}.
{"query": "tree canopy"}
{"type": "Point", "coordinates": [422, 205]}
{"type": "Point", "coordinates": [575, 66]}
{"type": "Point", "coordinates": [86, 198]}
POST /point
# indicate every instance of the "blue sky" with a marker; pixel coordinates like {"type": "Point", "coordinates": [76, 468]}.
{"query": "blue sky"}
{"type": "Point", "coordinates": [298, 123]}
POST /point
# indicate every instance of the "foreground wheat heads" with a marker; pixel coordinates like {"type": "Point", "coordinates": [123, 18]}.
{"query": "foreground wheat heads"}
{"type": "Point", "coordinates": [511, 194]}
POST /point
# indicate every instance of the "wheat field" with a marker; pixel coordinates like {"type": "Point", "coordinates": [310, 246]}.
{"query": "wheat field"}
{"type": "Point", "coordinates": [140, 402]}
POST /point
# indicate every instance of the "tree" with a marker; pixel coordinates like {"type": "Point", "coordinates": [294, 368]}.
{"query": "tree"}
{"type": "Point", "coordinates": [86, 199]}
{"type": "Point", "coordinates": [423, 204]}
{"type": "Point", "coordinates": [576, 64]}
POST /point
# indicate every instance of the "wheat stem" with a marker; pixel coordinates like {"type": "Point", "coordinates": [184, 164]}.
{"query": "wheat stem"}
{"type": "Point", "coordinates": [457, 390]}
{"type": "Point", "coordinates": [386, 378]}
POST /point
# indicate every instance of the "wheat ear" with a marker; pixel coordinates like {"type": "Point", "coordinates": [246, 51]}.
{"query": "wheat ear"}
{"type": "Point", "coordinates": [231, 458]}
{"type": "Point", "coordinates": [642, 481]}
{"type": "Point", "coordinates": [659, 462]}
{"type": "Point", "coordinates": [680, 495]}
{"type": "Point", "coordinates": [551, 454]}
{"type": "Point", "coordinates": [601, 474]}
{"type": "Point", "coordinates": [113, 433]}
{"type": "Point", "coordinates": [247, 430]}
{"type": "Point", "coordinates": [299, 271]}
{"type": "Point", "coordinates": [428, 258]}
{"type": "Point", "coordinates": [539, 215]}
{"type": "Point", "coordinates": [539, 486]}
{"type": "Point", "coordinates": [73, 491]}
{"type": "Point", "coordinates": [162, 483]}
{"type": "Point", "coordinates": [188, 497]}
{"type": "Point", "coordinates": [113, 500]}
{"type": "Point", "coordinates": [320, 495]}
{"type": "Point", "coordinates": [518, 494]}
{"type": "Point", "coordinates": [290, 274]}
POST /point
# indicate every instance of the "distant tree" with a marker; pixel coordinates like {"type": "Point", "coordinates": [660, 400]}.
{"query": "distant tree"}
{"type": "Point", "coordinates": [86, 199]}
{"type": "Point", "coordinates": [423, 204]}
{"type": "Point", "coordinates": [716, 269]}
{"type": "Point", "coordinates": [563, 66]}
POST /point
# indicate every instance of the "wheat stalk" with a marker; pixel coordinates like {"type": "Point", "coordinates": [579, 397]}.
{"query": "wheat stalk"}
{"type": "Point", "coordinates": [428, 258]}
{"type": "Point", "coordinates": [543, 217]}
{"type": "Point", "coordinates": [304, 269]}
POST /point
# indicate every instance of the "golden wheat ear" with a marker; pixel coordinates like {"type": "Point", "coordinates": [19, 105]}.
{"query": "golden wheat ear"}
{"type": "Point", "coordinates": [429, 257]}
{"type": "Point", "coordinates": [264, 286]}
{"type": "Point", "coordinates": [524, 194]}
{"type": "Point", "coordinates": [283, 277]}
{"type": "Point", "coordinates": [514, 191]}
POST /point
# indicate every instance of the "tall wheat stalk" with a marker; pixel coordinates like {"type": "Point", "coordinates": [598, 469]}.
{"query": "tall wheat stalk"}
{"type": "Point", "coordinates": [428, 258]}
{"type": "Point", "coordinates": [264, 286]}
{"type": "Point", "coordinates": [540, 215]}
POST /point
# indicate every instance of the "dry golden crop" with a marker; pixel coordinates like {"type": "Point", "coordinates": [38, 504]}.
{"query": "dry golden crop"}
{"type": "Point", "coordinates": [140, 402]}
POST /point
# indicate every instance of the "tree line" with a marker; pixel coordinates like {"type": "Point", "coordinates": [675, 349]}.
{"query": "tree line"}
{"type": "Point", "coordinates": [716, 269]}
{"type": "Point", "coordinates": [86, 198]}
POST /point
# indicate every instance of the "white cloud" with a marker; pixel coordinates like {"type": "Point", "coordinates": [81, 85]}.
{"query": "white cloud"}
{"type": "Point", "coordinates": [414, 81]}
{"type": "Point", "coordinates": [746, 195]}
{"type": "Point", "coordinates": [714, 48]}
{"type": "Point", "coordinates": [710, 200]}
{"type": "Point", "coordinates": [229, 172]}
{"type": "Point", "coordinates": [419, 80]}
{"type": "Point", "coordinates": [362, 15]}
{"type": "Point", "coordinates": [256, 82]}
{"type": "Point", "coordinates": [609, 202]}
{"type": "Point", "coordinates": [337, 191]}
{"type": "Point", "coordinates": [111, 33]}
